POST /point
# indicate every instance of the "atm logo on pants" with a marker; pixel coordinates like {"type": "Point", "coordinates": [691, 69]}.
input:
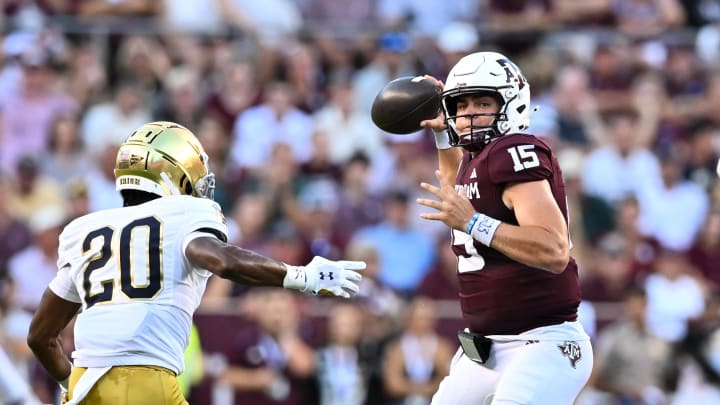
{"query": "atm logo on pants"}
{"type": "Point", "coordinates": [571, 350]}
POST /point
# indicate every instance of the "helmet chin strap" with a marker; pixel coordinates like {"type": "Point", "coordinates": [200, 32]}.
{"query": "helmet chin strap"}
{"type": "Point", "coordinates": [478, 139]}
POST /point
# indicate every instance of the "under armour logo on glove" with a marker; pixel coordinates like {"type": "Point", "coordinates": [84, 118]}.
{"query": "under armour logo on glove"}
{"type": "Point", "coordinates": [338, 278]}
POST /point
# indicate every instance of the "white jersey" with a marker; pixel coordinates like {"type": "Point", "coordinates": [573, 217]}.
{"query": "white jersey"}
{"type": "Point", "coordinates": [127, 267]}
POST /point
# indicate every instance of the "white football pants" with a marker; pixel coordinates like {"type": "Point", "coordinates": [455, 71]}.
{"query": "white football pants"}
{"type": "Point", "coordinates": [519, 372]}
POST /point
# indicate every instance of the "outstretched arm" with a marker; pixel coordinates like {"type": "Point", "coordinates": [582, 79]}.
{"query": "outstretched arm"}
{"type": "Point", "coordinates": [320, 276]}
{"type": "Point", "coordinates": [235, 264]}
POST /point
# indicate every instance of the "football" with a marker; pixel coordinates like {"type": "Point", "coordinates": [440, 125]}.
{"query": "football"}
{"type": "Point", "coordinates": [400, 106]}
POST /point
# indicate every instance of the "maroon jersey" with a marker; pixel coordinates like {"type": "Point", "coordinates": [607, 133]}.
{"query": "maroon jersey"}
{"type": "Point", "coordinates": [497, 294]}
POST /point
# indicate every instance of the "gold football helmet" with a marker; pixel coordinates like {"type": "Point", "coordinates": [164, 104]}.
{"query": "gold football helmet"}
{"type": "Point", "coordinates": [164, 158]}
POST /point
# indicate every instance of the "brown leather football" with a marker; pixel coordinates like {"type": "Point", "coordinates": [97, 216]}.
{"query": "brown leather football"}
{"type": "Point", "coordinates": [403, 103]}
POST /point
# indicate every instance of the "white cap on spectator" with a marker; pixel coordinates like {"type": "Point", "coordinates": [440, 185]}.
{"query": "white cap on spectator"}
{"type": "Point", "coordinates": [47, 218]}
{"type": "Point", "coordinates": [180, 77]}
{"type": "Point", "coordinates": [654, 53]}
{"type": "Point", "coordinates": [18, 43]}
{"type": "Point", "coordinates": [571, 162]}
{"type": "Point", "coordinates": [458, 36]}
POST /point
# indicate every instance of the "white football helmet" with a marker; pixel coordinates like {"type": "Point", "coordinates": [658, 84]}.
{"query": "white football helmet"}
{"type": "Point", "coordinates": [493, 73]}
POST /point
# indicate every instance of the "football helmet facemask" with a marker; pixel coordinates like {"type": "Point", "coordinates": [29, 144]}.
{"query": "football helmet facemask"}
{"type": "Point", "coordinates": [164, 158]}
{"type": "Point", "coordinates": [493, 74]}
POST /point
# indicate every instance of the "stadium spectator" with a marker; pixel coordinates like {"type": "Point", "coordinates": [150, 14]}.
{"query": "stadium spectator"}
{"type": "Point", "coordinates": [426, 19]}
{"type": "Point", "coordinates": [314, 215]}
{"type": "Point", "coordinates": [182, 98]}
{"type": "Point", "coordinates": [405, 252]}
{"type": "Point", "coordinates": [695, 373]}
{"type": "Point", "coordinates": [142, 60]}
{"type": "Point", "coordinates": [454, 41]}
{"type": "Point", "coordinates": [28, 111]}
{"type": "Point", "coordinates": [642, 19]}
{"type": "Point", "coordinates": [673, 210]}
{"type": "Point", "coordinates": [32, 191]}
{"type": "Point", "coordinates": [570, 98]}
{"type": "Point", "coordinates": [320, 166]}
{"type": "Point", "coordinates": [441, 282]}
{"type": "Point", "coordinates": [247, 227]}
{"type": "Point", "coordinates": [273, 361]}
{"type": "Point", "coordinates": [391, 59]}
{"type": "Point", "coordinates": [198, 17]}
{"type": "Point", "coordinates": [358, 206]}
{"type": "Point", "coordinates": [111, 8]}
{"type": "Point", "coordinates": [418, 359]}
{"type": "Point", "coordinates": [674, 296]}
{"type": "Point", "coordinates": [623, 158]}
{"type": "Point", "coordinates": [258, 129]}
{"type": "Point", "coordinates": [65, 156]}
{"type": "Point", "coordinates": [516, 24]}
{"type": "Point", "coordinates": [631, 361]}
{"type": "Point", "coordinates": [275, 23]}
{"type": "Point", "coordinates": [340, 371]}
{"type": "Point", "coordinates": [100, 182]}
{"type": "Point", "coordinates": [15, 323]}
{"type": "Point", "coordinates": [610, 272]}
{"type": "Point", "coordinates": [112, 122]}
{"type": "Point", "coordinates": [78, 199]}
{"type": "Point", "coordinates": [33, 268]}
{"type": "Point", "coordinates": [341, 116]}
{"type": "Point", "coordinates": [15, 235]}
{"type": "Point", "coordinates": [236, 88]}
{"type": "Point", "coordinates": [87, 77]}
{"type": "Point", "coordinates": [704, 254]}
{"type": "Point", "coordinates": [227, 183]}
{"type": "Point", "coordinates": [702, 157]}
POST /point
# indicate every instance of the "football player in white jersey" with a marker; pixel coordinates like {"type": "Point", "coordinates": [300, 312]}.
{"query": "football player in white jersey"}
{"type": "Point", "coordinates": [137, 274]}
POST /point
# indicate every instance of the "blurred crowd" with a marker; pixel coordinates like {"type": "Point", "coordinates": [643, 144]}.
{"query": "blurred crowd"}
{"type": "Point", "coordinates": [279, 93]}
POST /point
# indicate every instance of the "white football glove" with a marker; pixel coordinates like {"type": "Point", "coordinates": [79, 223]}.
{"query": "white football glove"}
{"type": "Point", "coordinates": [325, 277]}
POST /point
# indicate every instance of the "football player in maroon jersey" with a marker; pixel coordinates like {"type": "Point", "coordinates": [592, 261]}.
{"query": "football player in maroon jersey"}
{"type": "Point", "coordinates": [502, 193]}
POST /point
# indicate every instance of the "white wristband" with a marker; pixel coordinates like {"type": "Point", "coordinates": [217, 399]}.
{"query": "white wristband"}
{"type": "Point", "coordinates": [442, 139]}
{"type": "Point", "coordinates": [295, 278]}
{"type": "Point", "coordinates": [484, 229]}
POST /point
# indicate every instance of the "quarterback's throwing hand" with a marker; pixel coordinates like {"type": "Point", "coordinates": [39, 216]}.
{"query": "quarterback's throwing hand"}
{"type": "Point", "coordinates": [328, 277]}
{"type": "Point", "coordinates": [454, 209]}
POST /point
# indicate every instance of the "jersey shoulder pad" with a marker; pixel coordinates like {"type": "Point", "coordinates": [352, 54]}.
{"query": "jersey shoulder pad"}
{"type": "Point", "coordinates": [80, 226]}
{"type": "Point", "coordinates": [203, 214]}
{"type": "Point", "coordinates": [519, 158]}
